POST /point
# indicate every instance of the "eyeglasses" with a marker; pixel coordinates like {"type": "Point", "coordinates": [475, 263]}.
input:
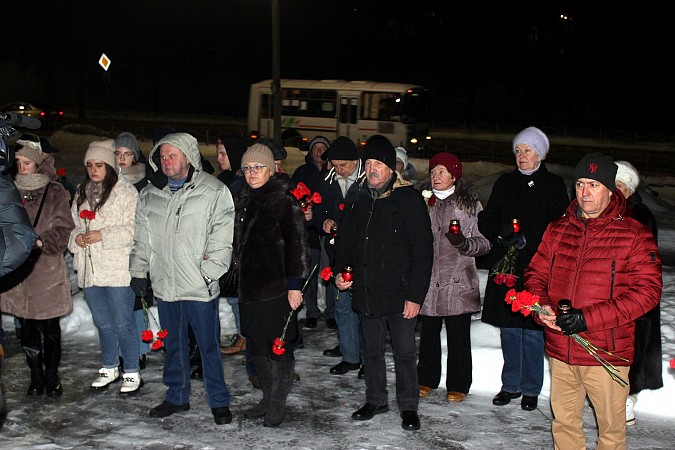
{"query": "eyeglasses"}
{"type": "Point", "coordinates": [255, 169]}
{"type": "Point", "coordinates": [172, 157]}
{"type": "Point", "coordinates": [124, 155]}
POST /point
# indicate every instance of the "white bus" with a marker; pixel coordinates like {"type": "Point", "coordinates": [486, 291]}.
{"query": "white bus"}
{"type": "Point", "coordinates": [332, 108]}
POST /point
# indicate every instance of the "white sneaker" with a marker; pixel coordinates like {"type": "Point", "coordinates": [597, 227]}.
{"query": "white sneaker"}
{"type": "Point", "coordinates": [105, 377]}
{"type": "Point", "coordinates": [132, 382]}
{"type": "Point", "coordinates": [630, 413]}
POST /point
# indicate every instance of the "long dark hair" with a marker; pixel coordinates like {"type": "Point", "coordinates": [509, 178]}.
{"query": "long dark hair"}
{"type": "Point", "coordinates": [108, 183]}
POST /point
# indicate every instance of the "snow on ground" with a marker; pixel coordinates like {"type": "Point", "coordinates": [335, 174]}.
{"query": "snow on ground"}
{"type": "Point", "coordinates": [319, 406]}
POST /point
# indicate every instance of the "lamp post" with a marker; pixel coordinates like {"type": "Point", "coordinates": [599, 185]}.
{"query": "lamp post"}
{"type": "Point", "coordinates": [276, 72]}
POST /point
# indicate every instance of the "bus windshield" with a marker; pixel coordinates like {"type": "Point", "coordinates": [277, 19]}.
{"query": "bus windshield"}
{"type": "Point", "coordinates": [415, 106]}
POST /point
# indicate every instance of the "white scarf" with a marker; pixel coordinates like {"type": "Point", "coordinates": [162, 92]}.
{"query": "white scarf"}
{"type": "Point", "coordinates": [442, 195]}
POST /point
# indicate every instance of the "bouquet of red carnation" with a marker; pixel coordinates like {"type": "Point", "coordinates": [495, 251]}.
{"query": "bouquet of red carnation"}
{"type": "Point", "coordinates": [305, 196]}
{"type": "Point", "coordinates": [503, 270]}
{"type": "Point", "coordinates": [147, 335]}
{"type": "Point", "coordinates": [526, 302]}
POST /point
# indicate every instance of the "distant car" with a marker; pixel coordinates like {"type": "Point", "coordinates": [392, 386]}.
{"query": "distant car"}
{"type": "Point", "coordinates": [49, 117]}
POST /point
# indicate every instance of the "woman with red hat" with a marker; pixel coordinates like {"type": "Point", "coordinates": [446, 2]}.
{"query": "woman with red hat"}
{"type": "Point", "coordinates": [453, 295]}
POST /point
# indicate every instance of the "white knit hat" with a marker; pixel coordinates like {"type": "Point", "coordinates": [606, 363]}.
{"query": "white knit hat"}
{"type": "Point", "coordinates": [102, 151]}
{"type": "Point", "coordinates": [532, 137]}
{"type": "Point", "coordinates": [402, 155]}
{"type": "Point", "coordinates": [628, 175]}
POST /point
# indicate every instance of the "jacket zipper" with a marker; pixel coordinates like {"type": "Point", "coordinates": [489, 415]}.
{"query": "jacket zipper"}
{"type": "Point", "coordinates": [365, 252]}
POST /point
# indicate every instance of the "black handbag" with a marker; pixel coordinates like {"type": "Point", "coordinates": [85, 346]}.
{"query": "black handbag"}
{"type": "Point", "coordinates": [229, 282]}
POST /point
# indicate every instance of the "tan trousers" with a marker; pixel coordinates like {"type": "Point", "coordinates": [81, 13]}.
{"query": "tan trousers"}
{"type": "Point", "coordinates": [569, 386]}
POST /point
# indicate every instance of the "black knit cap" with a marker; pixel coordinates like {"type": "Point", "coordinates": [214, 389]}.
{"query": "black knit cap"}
{"type": "Point", "coordinates": [381, 150]}
{"type": "Point", "coordinates": [597, 166]}
{"type": "Point", "coordinates": [342, 149]}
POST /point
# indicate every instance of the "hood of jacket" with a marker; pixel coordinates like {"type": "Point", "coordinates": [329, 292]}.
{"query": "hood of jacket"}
{"type": "Point", "coordinates": [186, 143]}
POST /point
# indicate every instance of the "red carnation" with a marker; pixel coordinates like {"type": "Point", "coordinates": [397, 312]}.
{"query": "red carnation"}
{"type": "Point", "coordinates": [61, 172]}
{"type": "Point", "coordinates": [326, 273]}
{"type": "Point", "coordinates": [147, 335]}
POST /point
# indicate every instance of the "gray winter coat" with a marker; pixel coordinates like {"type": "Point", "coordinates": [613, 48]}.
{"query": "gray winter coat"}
{"type": "Point", "coordinates": [454, 289]}
{"type": "Point", "coordinates": [182, 237]}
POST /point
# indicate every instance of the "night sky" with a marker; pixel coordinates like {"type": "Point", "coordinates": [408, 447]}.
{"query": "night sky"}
{"type": "Point", "coordinates": [605, 66]}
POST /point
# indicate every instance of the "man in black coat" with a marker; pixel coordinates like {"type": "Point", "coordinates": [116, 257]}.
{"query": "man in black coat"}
{"type": "Point", "coordinates": [386, 236]}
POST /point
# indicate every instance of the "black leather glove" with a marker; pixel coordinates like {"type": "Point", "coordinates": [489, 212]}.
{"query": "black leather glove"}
{"type": "Point", "coordinates": [457, 240]}
{"type": "Point", "coordinates": [139, 286]}
{"type": "Point", "coordinates": [506, 234]}
{"type": "Point", "coordinates": [571, 322]}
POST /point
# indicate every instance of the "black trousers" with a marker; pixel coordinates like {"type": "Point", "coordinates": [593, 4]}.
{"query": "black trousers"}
{"type": "Point", "coordinates": [402, 334]}
{"type": "Point", "coordinates": [459, 364]}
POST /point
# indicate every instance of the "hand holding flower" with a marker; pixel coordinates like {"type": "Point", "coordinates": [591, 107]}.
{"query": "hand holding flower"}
{"type": "Point", "coordinates": [548, 318]}
{"type": "Point", "coordinates": [93, 236]}
{"type": "Point", "coordinates": [294, 299]}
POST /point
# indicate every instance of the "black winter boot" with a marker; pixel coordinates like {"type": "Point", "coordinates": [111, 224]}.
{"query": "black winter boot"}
{"type": "Point", "coordinates": [52, 358]}
{"type": "Point", "coordinates": [264, 371]}
{"type": "Point", "coordinates": [282, 380]}
{"type": "Point", "coordinates": [37, 374]}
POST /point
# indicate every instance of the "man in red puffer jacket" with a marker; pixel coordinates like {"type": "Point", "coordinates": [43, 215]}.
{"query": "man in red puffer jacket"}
{"type": "Point", "coordinates": [609, 267]}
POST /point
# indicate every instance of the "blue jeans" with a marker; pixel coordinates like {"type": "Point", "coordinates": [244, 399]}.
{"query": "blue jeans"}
{"type": "Point", "coordinates": [349, 328]}
{"type": "Point", "coordinates": [523, 352]}
{"type": "Point", "coordinates": [402, 334]}
{"type": "Point", "coordinates": [112, 310]}
{"type": "Point", "coordinates": [139, 318]}
{"type": "Point", "coordinates": [234, 303]}
{"type": "Point", "coordinates": [203, 319]}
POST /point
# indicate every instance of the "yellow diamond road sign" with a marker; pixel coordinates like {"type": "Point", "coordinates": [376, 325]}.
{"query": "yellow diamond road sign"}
{"type": "Point", "coordinates": [104, 61]}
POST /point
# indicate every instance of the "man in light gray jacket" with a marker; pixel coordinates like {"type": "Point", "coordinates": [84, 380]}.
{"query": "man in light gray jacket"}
{"type": "Point", "coordinates": [184, 228]}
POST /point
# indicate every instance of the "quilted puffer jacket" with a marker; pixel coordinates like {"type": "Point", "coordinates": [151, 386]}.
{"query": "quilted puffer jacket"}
{"type": "Point", "coordinates": [609, 267]}
{"type": "Point", "coordinates": [182, 237]}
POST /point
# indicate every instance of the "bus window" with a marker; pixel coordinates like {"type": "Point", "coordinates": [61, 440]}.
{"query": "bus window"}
{"type": "Point", "coordinates": [380, 105]}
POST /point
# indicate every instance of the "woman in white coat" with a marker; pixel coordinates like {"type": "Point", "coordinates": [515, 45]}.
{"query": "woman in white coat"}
{"type": "Point", "coordinates": [101, 245]}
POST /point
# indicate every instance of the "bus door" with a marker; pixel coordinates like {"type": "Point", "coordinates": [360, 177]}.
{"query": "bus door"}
{"type": "Point", "coordinates": [348, 118]}
{"type": "Point", "coordinates": [266, 116]}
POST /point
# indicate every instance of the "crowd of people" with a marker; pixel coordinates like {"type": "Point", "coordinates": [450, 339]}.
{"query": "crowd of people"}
{"type": "Point", "coordinates": [399, 251]}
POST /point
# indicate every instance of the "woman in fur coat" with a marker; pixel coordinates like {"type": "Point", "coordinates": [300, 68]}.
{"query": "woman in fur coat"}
{"type": "Point", "coordinates": [272, 256]}
{"type": "Point", "coordinates": [101, 248]}
{"type": "Point", "coordinates": [453, 295]}
{"type": "Point", "coordinates": [38, 292]}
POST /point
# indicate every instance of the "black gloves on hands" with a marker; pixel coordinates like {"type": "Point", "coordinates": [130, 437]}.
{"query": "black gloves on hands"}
{"type": "Point", "coordinates": [506, 233]}
{"type": "Point", "coordinates": [457, 240]}
{"type": "Point", "coordinates": [508, 237]}
{"type": "Point", "coordinates": [139, 286]}
{"type": "Point", "coordinates": [571, 322]}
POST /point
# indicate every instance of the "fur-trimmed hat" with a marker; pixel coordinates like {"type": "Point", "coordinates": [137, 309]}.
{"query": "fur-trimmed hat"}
{"type": "Point", "coordinates": [260, 154]}
{"type": "Point", "coordinates": [402, 155]}
{"type": "Point", "coordinates": [381, 150]}
{"type": "Point", "coordinates": [597, 166]}
{"type": "Point", "coordinates": [102, 151]}
{"type": "Point", "coordinates": [31, 150]}
{"type": "Point", "coordinates": [448, 160]}
{"type": "Point", "coordinates": [128, 140]}
{"type": "Point", "coordinates": [342, 149]}
{"type": "Point", "coordinates": [628, 175]}
{"type": "Point", "coordinates": [535, 138]}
